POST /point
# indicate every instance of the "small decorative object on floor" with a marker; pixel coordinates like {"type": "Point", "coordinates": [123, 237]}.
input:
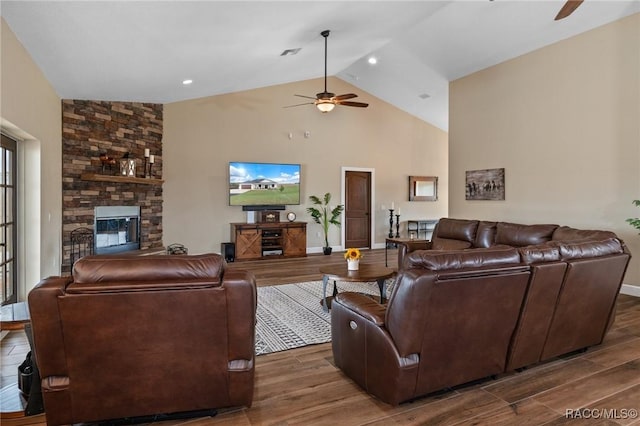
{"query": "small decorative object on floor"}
{"type": "Point", "coordinates": [353, 257]}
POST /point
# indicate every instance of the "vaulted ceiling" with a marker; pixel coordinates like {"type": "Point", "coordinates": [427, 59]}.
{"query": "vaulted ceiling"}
{"type": "Point", "coordinates": [143, 50]}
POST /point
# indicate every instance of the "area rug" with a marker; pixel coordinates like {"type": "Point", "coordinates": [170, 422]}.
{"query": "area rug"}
{"type": "Point", "coordinates": [290, 315]}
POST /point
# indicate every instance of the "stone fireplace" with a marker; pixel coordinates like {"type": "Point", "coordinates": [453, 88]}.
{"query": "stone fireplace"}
{"type": "Point", "coordinates": [116, 229]}
{"type": "Point", "coordinates": [92, 128]}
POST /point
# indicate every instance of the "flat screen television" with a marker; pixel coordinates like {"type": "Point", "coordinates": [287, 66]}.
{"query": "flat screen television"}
{"type": "Point", "coordinates": [263, 184]}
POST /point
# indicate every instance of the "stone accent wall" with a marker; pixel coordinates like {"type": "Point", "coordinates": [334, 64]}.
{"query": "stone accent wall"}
{"type": "Point", "coordinates": [90, 128]}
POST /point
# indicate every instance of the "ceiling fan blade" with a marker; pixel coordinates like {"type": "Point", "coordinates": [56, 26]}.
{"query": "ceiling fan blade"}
{"type": "Point", "coordinates": [346, 96]}
{"type": "Point", "coordinates": [353, 104]}
{"type": "Point", "coordinates": [569, 7]}
{"type": "Point", "coordinates": [306, 103]}
{"type": "Point", "coordinates": [303, 96]}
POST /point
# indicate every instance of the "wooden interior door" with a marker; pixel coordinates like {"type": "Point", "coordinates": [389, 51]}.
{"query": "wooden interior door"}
{"type": "Point", "coordinates": [357, 209]}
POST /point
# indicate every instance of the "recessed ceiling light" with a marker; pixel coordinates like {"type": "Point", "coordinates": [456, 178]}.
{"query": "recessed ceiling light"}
{"type": "Point", "coordinates": [290, 52]}
{"type": "Point", "coordinates": [187, 82]}
{"type": "Point", "coordinates": [372, 60]}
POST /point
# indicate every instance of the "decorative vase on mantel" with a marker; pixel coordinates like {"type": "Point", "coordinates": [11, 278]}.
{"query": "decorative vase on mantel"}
{"type": "Point", "coordinates": [353, 264]}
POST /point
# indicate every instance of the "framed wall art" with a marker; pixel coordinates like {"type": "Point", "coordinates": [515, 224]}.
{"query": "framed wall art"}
{"type": "Point", "coordinates": [423, 188]}
{"type": "Point", "coordinates": [487, 184]}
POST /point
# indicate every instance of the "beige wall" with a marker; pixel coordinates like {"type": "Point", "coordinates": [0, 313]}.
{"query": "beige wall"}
{"type": "Point", "coordinates": [31, 107]}
{"type": "Point", "coordinates": [564, 123]}
{"type": "Point", "coordinates": [201, 136]}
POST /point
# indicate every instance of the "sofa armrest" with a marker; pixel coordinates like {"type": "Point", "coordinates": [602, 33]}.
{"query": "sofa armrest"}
{"type": "Point", "coordinates": [365, 351]}
{"type": "Point", "coordinates": [408, 247]}
{"type": "Point", "coordinates": [240, 288]}
{"type": "Point", "coordinates": [363, 306]}
{"type": "Point", "coordinates": [47, 326]}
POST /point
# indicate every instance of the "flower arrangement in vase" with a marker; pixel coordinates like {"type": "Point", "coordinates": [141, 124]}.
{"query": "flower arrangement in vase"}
{"type": "Point", "coordinates": [353, 256]}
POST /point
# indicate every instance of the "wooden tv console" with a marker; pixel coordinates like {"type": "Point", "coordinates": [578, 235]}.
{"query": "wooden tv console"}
{"type": "Point", "coordinates": [268, 240]}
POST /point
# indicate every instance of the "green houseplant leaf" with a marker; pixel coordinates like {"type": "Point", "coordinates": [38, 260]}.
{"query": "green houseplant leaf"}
{"type": "Point", "coordinates": [323, 215]}
{"type": "Point", "coordinates": [635, 222]}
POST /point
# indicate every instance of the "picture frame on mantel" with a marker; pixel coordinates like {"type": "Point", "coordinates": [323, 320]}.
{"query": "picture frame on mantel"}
{"type": "Point", "coordinates": [486, 184]}
{"type": "Point", "coordinates": [423, 188]}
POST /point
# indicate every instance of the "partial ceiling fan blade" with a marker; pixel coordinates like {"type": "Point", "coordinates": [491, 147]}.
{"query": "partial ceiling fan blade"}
{"type": "Point", "coordinates": [346, 96]}
{"type": "Point", "coordinates": [303, 96]}
{"type": "Point", "coordinates": [296, 105]}
{"type": "Point", "coordinates": [353, 104]}
{"type": "Point", "coordinates": [569, 7]}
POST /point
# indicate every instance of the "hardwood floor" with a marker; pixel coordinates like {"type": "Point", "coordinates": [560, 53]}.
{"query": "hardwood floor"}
{"type": "Point", "coordinates": [303, 387]}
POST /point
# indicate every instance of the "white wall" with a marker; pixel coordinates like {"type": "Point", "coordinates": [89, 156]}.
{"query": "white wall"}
{"type": "Point", "coordinates": [564, 123]}
{"type": "Point", "coordinates": [30, 109]}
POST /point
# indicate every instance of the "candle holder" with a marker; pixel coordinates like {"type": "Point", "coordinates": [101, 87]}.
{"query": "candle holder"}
{"type": "Point", "coordinates": [150, 172]}
{"type": "Point", "coordinates": [144, 169]}
{"type": "Point", "coordinates": [390, 223]}
{"type": "Point", "coordinates": [397, 226]}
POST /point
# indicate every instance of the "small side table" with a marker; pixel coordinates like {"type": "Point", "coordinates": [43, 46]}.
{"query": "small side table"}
{"type": "Point", "coordinates": [422, 228]}
{"type": "Point", "coordinates": [366, 273]}
{"type": "Point", "coordinates": [14, 316]}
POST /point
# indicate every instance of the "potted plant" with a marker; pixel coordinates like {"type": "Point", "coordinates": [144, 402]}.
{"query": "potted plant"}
{"type": "Point", "coordinates": [325, 216]}
{"type": "Point", "coordinates": [635, 222]}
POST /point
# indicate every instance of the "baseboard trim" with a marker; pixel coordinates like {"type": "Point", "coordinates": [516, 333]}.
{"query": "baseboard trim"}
{"type": "Point", "coordinates": [630, 290]}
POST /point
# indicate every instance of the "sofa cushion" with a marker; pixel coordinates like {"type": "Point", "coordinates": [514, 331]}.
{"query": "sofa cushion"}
{"type": "Point", "coordinates": [568, 234]}
{"type": "Point", "coordinates": [548, 252]}
{"type": "Point", "coordinates": [588, 249]}
{"type": "Point", "coordinates": [486, 234]}
{"type": "Point", "coordinates": [456, 229]}
{"type": "Point", "coordinates": [517, 235]}
{"type": "Point", "coordinates": [437, 260]}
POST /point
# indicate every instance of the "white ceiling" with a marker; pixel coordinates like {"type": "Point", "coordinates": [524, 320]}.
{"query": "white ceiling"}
{"type": "Point", "coordinates": [142, 50]}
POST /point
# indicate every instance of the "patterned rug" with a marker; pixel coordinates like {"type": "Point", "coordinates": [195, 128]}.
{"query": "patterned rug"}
{"type": "Point", "coordinates": [290, 315]}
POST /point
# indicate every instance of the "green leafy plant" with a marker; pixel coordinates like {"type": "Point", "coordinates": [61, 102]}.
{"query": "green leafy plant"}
{"type": "Point", "coordinates": [324, 215]}
{"type": "Point", "coordinates": [635, 222]}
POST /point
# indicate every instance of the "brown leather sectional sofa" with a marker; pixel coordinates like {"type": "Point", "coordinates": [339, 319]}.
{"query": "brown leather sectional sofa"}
{"type": "Point", "coordinates": [132, 336]}
{"type": "Point", "coordinates": [481, 298]}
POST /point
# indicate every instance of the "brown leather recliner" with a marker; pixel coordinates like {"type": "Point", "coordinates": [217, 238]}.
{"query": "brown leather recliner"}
{"type": "Point", "coordinates": [450, 320]}
{"type": "Point", "coordinates": [132, 336]}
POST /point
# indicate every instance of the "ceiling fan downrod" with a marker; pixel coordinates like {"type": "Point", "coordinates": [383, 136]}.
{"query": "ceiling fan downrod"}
{"type": "Point", "coordinates": [325, 34]}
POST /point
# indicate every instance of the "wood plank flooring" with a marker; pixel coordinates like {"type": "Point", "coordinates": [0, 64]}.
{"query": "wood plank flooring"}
{"type": "Point", "coordinates": [303, 386]}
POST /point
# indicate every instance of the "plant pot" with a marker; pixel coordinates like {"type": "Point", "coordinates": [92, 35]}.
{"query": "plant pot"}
{"type": "Point", "coordinates": [327, 250]}
{"type": "Point", "coordinates": [353, 264]}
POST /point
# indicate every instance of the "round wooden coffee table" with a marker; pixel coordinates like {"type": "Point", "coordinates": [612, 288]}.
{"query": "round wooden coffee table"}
{"type": "Point", "coordinates": [366, 273]}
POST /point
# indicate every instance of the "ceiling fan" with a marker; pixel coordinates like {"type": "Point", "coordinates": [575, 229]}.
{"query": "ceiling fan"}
{"type": "Point", "coordinates": [325, 101]}
{"type": "Point", "coordinates": [568, 8]}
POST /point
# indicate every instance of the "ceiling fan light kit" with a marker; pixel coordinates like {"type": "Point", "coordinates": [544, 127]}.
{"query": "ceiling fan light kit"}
{"type": "Point", "coordinates": [325, 106]}
{"type": "Point", "coordinates": [326, 101]}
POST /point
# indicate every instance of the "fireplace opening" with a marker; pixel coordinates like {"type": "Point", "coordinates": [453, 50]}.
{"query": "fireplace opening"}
{"type": "Point", "coordinates": [117, 229]}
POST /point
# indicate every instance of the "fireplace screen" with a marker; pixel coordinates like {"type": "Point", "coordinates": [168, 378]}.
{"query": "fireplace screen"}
{"type": "Point", "coordinates": [117, 229]}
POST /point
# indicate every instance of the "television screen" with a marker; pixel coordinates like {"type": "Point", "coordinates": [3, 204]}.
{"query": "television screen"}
{"type": "Point", "coordinates": [263, 184]}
